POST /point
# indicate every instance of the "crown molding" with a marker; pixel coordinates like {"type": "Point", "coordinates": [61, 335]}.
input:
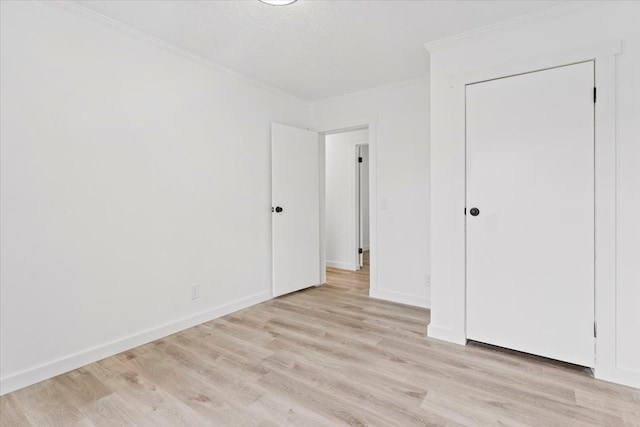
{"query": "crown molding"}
{"type": "Point", "coordinates": [120, 27]}
{"type": "Point", "coordinates": [375, 90]}
{"type": "Point", "coordinates": [530, 18]}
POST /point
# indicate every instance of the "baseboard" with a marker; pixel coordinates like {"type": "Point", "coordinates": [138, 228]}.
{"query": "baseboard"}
{"type": "Point", "coordinates": [400, 298]}
{"type": "Point", "coordinates": [341, 265]}
{"type": "Point", "coordinates": [618, 376]}
{"type": "Point", "coordinates": [445, 334]}
{"type": "Point", "coordinates": [83, 358]}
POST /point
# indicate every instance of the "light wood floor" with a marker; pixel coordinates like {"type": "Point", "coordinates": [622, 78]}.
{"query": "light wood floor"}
{"type": "Point", "coordinates": [321, 357]}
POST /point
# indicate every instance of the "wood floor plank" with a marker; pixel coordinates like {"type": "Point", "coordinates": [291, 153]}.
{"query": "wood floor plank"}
{"type": "Point", "coordinates": [325, 356]}
{"type": "Point", "coordinates": [160, 407]}
{"type": "Point", "coordinates": [335, 409]}
{"type": "Point", "coordinates": [210, 401]}
{"type": "Point", "coordinates": [380, 401]}
{"type": "Point", "coordinates": [47, 403]}
{"type": "Point", "coordinates": [112, 410]}
{"type": "Point", "coordinates": [81, 387]}
{"type": "Point", "coordinates": [11, 414]}
{"type": "Point", "coordinates": [279, 411]}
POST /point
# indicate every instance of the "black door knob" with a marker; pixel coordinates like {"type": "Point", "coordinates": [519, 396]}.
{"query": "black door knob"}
{"type": "Point", "coordinates": [279, 209]}
{"type": "Point", "coordinates": [474, 211]}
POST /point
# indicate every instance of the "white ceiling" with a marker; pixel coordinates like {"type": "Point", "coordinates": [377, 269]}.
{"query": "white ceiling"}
{"type": "Point", "coordinates": [313, 49]}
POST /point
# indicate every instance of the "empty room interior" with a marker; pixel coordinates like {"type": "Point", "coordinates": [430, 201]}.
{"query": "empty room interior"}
{"type": "Point", "coordinates": [319, 213]}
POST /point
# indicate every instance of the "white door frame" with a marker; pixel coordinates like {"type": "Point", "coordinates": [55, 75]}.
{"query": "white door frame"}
{"type": "Point", "coordinates": [359, 210]}
{"type": "Point", "coordinates": [339, 127]}
{"type": "Point", "coordinates": [603, 53]}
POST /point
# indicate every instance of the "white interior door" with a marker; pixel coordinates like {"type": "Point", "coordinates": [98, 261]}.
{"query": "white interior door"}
{"type": "Point", "coordinates": [530, 249]}
{"type": "Point", "coordinates": [296, 209]}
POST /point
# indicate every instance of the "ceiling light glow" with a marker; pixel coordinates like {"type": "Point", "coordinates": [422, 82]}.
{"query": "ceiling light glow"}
{"type": "Point", "coordinates": [278, 2]}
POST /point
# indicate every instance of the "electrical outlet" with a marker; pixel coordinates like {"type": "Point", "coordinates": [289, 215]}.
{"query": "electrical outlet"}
{"type": "Point", "coordinates": [427, 280]}
{"type": "Point", "coordinates": [195, 291]}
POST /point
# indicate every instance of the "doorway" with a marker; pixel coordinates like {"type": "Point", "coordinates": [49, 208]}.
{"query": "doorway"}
{"type": "Point", "coordinates": [347, 189]}
{"type": "Point", "coordinates": [299, 206]}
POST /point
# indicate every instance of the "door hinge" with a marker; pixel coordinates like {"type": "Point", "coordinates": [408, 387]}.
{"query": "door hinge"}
{"type": "Point", "coordinates": [594, 95]}
{"type": "Point", "coordinates": [359, 159]}
{"type": "Point", "coordinates": [359, 250]}
{"type": "Point", "coordinates": [465, 211]}
{"type": "Point", "coordinates": [595, 329]}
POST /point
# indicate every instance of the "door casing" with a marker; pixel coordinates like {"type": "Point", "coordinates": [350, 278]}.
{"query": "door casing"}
{"type": "Point", "coordinates": [338, 127]}
{"type": "Point", "coordinates": [448, 271]}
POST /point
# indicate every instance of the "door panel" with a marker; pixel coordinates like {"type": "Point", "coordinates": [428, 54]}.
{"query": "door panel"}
{"type": "Point", "coordinates": [295, 190]}
{"type": "Point", "coordinates": [530, 250]}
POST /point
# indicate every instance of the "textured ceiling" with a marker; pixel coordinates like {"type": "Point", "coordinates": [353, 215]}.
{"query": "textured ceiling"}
{"type": "Point", "coordinates": [313, 49]}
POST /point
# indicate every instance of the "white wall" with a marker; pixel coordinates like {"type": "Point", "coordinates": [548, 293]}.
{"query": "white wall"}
{"type": "Point", "coordinates": [613, 20]}
{"type": "Point", "coordinates": [340, 156]}
{"type": "Point", "coordinates": [364, 195]}
{"type": "Point", "coordinates": [402, 141]}
{"type": "Point", "coordinates": [128, 174]}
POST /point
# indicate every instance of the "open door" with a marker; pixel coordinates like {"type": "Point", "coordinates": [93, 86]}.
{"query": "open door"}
{"type": "Point", "coordinates": [295, 196]}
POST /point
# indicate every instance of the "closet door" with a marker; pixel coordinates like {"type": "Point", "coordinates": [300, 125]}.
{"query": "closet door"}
{"type": "Point", "coordinates": [530, 213]}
